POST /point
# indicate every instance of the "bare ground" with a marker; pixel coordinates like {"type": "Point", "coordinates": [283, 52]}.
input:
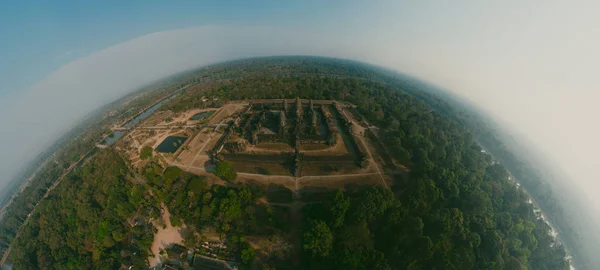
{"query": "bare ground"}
{"type": "Point", "coordinates": [225, 112]}
{"type": "Point", "coordinates": [164, 237]}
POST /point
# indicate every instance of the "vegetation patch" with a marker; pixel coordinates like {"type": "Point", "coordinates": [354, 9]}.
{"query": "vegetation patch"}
{"type": "Point", "coordinates": [225, 171]}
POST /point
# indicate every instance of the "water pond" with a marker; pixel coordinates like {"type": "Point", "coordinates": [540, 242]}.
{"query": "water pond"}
{"type": "Point", "coordinates": [117, 134]}
{"type": "Point", "coordinates": [171, 144]}
{"type": "Point", "coordinates": [202, 115]}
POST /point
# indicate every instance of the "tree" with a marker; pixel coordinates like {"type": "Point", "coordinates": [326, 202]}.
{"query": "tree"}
{"type": "Point", "coordinates": [247, 253]}
{"type": "Point", "coordinates": [338, 209]}
{"type": "Point", "coordinates": [146, 152]}
{"type": "Point", "coordinates": [197, 184]}
{"type": "Point", "coordinates": [108, 241]}
{"type": "Point", "coordinates": [225, 171]}
{"type": "Point", "coordinates": [402, 155]}
{"type": "Point", "coordinates": [230, 207]}
{"type": "Point", "coordinates": [318, 240]}
{"type": "Point", "coordinates": [373, 203]}
{"type": "Point", "coordinates": [190, 241]}
{"type": "Point", "coordinates": [353, 247]}
{"type": "Point", "coordinates": [171, 174]}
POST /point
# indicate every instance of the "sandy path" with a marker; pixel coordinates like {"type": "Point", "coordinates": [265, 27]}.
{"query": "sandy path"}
{"type": "Point", "coordinates": [164, 237]}
{"type": "Point", "coordinates": [229, 109]}
{"type": "Point", "coordinates": [373, 163]}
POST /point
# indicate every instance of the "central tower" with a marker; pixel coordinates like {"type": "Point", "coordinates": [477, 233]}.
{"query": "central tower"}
{"type": "Point", "coordinates": [298, 108]}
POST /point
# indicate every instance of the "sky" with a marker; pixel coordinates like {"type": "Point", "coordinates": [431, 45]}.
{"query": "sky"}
{"type": "Point", "coordinates": [531, 64]}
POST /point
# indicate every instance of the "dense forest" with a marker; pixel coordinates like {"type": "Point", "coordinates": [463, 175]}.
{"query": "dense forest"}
{"type": "Point", "coordinates": [455, 210]}
{"type": "Point", "coordinates": [554, 196]}
{"type": "Point", "coordinates": [85, 221]}
{"type": "Point", "coordinates": [325, 73]}
{"type": "Point", "coordinates": [71, 150]}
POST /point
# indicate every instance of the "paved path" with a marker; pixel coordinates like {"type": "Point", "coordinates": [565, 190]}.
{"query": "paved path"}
{"type": "Point", "coordinates": [373, 163]}
{"type": "Point", "coordinates": [291, 178]}
{"type": "Point", "coordinates": [212, 134]}
{"type": "Point", "coordinates": [372, 160]}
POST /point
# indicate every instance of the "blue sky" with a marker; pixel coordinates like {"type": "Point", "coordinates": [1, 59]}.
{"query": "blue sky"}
{"type": "Point", "coordinates": [41, 36]}
{"type": "Point", "coordinates": [502, 55]}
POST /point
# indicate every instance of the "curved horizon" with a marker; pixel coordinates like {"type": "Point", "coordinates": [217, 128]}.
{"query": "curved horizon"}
{"type": "Point", "coordinates": [170, 52]}
{"type": "Point", "coordinates": [505, 60]}
{"type": "Point", "coordinates": [262, 57]}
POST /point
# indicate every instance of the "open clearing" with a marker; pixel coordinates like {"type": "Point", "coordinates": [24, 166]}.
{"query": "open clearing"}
{"type": "Point", "coordinates": [164, 237]}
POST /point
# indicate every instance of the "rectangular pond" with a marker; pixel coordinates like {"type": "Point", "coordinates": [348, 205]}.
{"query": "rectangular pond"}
{"type": "Point", "coordinates": [171, 144]}
{"type": "Point", "coordinates": [202, 115]}
{"type": "Point", "coordinates": [117, 134]}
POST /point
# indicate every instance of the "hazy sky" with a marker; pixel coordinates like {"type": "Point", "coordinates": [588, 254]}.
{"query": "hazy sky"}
{"type": "Point", "coordinates": [532, 64]}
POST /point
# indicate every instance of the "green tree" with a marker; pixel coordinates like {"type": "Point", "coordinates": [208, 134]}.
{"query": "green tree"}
{"type": "Point", "coordinates": [170, 174]}
{"type": "Point", "coordinates": [354, 247]}
{"type": "Point", "coordinates": [197, 184]}
{"type": "Point", "coordinates": [373, 204]}
{"type": "Point", "coordinates": [247, 253]}
{"type": "Point", "coordinates": [146, 153]}
{"type": "Point", "coordinates": [340, 205]}
{"type": "Point", "coordinates": [401, 155]}
{"type": "Point", "coordinates": [225, 171]}
{"type": "Point", "coordinates": [319, 239]}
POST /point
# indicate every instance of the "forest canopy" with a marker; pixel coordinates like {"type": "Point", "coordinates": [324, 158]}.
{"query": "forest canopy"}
{"type": "Point", "coordinates": [455, 210]}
